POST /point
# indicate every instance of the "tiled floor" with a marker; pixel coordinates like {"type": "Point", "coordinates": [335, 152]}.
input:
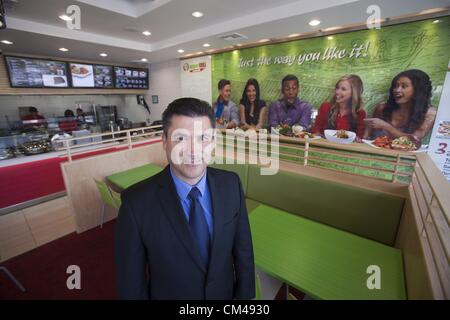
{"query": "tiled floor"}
{"type": "Point", "coordinates": [26, 229]}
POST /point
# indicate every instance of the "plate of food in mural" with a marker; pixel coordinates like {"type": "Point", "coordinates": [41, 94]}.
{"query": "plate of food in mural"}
{"type": "Point", "coordinates": [401, 144]}
{"type": "Point", "coordinates": [295, 131]}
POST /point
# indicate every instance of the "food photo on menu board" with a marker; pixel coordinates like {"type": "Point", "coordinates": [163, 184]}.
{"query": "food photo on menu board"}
{"type": "Point", "coordinates": [36, 73]}
{"type": "Point", "coordinates": [91, 76]}
{"type": "Point", "coordinates": [82, 75]}
{"type": "Point", "coordinates": [103, 76]}
{"type": "Point", "coordinates": [128, 78]}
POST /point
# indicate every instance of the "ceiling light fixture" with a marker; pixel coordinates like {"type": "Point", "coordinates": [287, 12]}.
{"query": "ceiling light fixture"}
{"type": "Point", "coordinates": [206, 45]}
{"type": "Point", "coordinates": [7, 42]}
{"type": "Point", "coordinates": [314, 23]}
{"type": "Point", "coordinates": [65, 17]}
{"type": "Point", "coordinates": [103, 54]}
{"type": "Point", "coordinates": [63, 49]}
{"type": "Point", "coordinates": [146, 33]}
{"type": "Point", "coordinates": [180, 50]}
{"type": "Point", "coordinates": [144, 60]}
{"type": "Point", "coordinates": [197, 14]}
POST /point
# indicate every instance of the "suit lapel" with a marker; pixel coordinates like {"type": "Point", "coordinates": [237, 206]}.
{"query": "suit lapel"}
{"type": "Point", "coordinates": [174, 211]}
{"type": "Point", "coordinates": [218, 205]}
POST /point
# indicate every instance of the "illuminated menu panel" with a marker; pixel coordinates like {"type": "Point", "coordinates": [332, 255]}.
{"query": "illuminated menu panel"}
{"type": "Point", "coordinates": [131, 78]}
{"type": "Point", "coordinates": [36, 73]}
{"type": "Point", "coordinates": [91, 76]}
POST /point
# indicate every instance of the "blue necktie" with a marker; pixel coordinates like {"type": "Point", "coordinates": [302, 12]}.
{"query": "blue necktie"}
{"type": "Point", "coordinates": [199, 227]}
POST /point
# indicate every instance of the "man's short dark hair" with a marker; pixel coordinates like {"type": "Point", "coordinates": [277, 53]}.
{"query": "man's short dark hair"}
{"type": "Point", "coordinates": [289, 77]}
{"type": "Point", "coordinates": [190, 107]}
{"type": "Point", "coordinates": [222, 83]}
{"type": "Point", "coordinates": [32, 109]}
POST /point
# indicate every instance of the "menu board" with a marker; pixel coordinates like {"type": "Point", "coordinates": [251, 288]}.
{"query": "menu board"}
{"type": "Point", "coordinates": [36, 73]}
{"type": "Point", "coordinates": [91, 76]}
{"type": "Point", "coordinates": [131, 78]}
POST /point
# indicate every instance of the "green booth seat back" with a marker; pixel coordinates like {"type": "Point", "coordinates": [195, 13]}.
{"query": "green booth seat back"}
{"type": "Point", "coordinates": [240, 169]}
{"type": "Point", "coordinates": [367, 213]}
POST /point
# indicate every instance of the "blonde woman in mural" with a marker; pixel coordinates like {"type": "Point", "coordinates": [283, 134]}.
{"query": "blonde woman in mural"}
{"type": "Point", "coordinates": [252, 108]}
{"type": "Point", "coordinates": [345, 111]}
{"type": "Point", "coordinates": [408, 111]}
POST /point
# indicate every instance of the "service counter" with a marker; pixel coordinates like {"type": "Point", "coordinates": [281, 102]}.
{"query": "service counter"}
{"type": "Point", "coordinates": [27, 180]}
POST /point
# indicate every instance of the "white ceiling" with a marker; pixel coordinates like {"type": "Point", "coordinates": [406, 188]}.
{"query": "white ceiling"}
{"type": "Point", "coordinates": [115, 26]}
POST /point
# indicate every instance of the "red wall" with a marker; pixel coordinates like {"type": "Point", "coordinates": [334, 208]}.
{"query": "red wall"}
{"type": "Point", "coordinates": [28, 181]}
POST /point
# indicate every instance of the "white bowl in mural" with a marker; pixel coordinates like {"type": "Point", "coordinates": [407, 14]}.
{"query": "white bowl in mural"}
{"type": "Point", "coordinates": [331, 135]}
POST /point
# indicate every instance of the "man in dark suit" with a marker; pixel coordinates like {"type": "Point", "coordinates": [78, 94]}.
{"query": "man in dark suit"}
{"type": "Point", "coordinates": [184, 233]}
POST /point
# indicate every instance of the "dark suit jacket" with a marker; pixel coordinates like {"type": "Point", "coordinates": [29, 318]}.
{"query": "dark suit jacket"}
{"type": "Point", "coordinates": [156, 256]}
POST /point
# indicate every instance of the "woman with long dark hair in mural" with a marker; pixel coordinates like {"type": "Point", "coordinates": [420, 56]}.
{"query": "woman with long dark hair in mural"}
{"type": "Point", "coordinates": [345, 111]}
{"type": "Point", "coordinates": [408, 111]}
{"type": "Point", "coordinates": [252, 108]}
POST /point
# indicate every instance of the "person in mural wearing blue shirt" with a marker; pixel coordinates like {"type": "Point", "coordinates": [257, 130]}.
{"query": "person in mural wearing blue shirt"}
{"type": "Point", "coordinates": [226, 111]}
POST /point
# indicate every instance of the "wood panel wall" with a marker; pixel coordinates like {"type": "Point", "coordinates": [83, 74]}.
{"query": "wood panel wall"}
{"type": "Point", "coordinates": [424, 233]}
{"type": "Point", "coordinates": [79, 175]}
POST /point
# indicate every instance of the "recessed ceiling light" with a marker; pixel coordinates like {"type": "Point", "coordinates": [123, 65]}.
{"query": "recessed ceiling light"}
{"type": "Point", "coordinates": [103, 54]}
{"type": "Point", "coordinates": [436, 21]}
{"type": "Point", "coordinates": [197, 14]}
{"type": "Point", "coordinates": [180, 50]}
{"type": "Point", "coordinates": [264, 40]}
{"type": "Point", "coordinates": [330, 38]}
{"type": "Point", "coordinates": [63, 49]}
{"type": "Point", "coordinates": [144, 60]}
{"type": "Point", "coordinates": [147, 33]}
{"type": "Point", "coordinates": [206, 45]}
{"type": "Point", "coordinates": [314, 23]}
{"type": "Point", "coordinates": [65, 17]}
{"type": "Point", "coordinates": [7, 42]}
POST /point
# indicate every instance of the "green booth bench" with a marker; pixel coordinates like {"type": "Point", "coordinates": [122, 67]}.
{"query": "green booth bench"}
{"type": "Point", "coordinates": [321, 237]}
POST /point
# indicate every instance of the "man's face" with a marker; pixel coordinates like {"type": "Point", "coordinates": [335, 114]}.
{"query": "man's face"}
{"type": "Point", "coordinates": [290, 90]}
{"type": "Point", "coordinates": [225, 93]}
{"type": "Point", "coordinates": [188, 145]}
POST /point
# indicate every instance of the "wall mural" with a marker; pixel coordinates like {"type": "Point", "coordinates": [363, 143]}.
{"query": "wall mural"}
{"type": "Point", "coordinates": [375, 55]}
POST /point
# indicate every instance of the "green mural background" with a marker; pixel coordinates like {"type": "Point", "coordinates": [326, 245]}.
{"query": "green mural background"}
{"type": "Point", "coordinates": [384, 53]}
